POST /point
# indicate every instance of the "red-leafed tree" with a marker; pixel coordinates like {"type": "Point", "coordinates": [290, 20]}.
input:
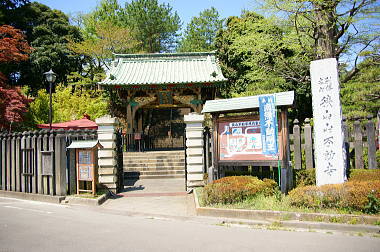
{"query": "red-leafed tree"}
{"type": "Point", "coordinates": [13, 48]}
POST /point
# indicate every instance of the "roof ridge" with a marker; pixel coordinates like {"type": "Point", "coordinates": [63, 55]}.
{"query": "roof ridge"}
{"type": "Point", "coordinates": [161, 55]}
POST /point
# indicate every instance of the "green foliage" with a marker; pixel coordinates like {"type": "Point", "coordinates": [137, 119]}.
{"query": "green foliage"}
{"type": "Point", "coordinates": [305, 177]}
{"type": "Point", "coordinates": [200, 33]}
{"type": "Point", "coordinates": [361, 95]}
{"type": "Point", "coordinates": [48, 32]}
{"type": "Point", "coordinates": [68, 104]}
{"type": "Point", "coordinates": [236, 189]}
{"type": "Point", "coordinates": [154, 25]}
{"type": "Point", "coordinates": [261, 55]}
{"type": "Point", "coordinates": [373, 205]}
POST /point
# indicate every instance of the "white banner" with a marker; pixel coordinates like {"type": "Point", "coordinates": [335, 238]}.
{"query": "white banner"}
{"type": "Point", "coordinates": [327, 113]}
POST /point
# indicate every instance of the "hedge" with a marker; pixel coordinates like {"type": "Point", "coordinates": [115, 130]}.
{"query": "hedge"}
{"type": "Point", "coordinates": [235, 189]}
{"type": "Point", "coordinates": [353, 195]}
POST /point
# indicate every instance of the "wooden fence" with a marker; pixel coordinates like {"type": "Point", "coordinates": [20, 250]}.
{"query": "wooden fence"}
{"type": "Point", "coordinates": [38, 161]}
{"type": "Point", "coordinates": [360, 143]}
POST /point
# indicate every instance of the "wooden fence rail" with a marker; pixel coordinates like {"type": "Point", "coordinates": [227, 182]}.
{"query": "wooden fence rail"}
{"type": "Point", "coordinates": [38, 161]}
{"type": "Point", "coordinates": [360, 144]}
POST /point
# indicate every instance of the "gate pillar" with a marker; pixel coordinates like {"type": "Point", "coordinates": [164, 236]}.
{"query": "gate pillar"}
{"type": "Point", "coordinates": [194, 149]}
{"type": "Point", "coordinates": [107, 157]}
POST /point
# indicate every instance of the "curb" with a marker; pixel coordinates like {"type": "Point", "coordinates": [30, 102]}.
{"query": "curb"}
{"type": "Point", "coordinates": [87, 201]}
{"type": "Point", "coordinates": [289, 219]}
{"type": "Point", "coordinates": [32, 196]}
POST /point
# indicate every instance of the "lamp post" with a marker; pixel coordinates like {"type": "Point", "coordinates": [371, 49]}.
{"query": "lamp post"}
{"type": "Point", "coordinates": [50, 77]}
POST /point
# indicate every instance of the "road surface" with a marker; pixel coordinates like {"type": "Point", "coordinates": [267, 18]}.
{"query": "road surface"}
{"type": "Point", "coordinates": [36, 226]}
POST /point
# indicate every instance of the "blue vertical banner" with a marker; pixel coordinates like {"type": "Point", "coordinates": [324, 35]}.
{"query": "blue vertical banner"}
{"type": "Point", "coordinates": [268, 124]}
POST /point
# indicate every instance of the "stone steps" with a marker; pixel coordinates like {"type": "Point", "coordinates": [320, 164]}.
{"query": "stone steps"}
{"type": "Point", "coordinates": [152, 164]}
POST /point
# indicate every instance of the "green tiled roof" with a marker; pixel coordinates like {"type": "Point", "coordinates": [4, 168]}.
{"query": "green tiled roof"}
{"type": "Point", "coordinates": [164, 68]}
{"type": "Point", "coordinates": [245, 103]}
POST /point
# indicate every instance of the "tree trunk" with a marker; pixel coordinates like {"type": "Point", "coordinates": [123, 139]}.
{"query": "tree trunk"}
{"type": "Point", "coordinates": [326, 44]}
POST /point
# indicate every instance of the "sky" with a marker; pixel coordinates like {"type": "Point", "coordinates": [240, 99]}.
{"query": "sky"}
{"type": "Point", "coordinates": [186, 9]}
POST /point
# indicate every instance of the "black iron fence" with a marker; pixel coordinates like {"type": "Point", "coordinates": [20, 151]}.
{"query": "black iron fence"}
{"type": "Point", "coordinates": [138, 142]}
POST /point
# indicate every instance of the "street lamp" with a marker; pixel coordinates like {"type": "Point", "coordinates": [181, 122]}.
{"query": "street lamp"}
{"type": "Point", "coordinates": [50, 77]}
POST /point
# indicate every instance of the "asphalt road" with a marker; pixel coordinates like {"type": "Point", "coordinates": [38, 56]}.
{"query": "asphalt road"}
{"type": "Point", "coordinates": [35, 226]}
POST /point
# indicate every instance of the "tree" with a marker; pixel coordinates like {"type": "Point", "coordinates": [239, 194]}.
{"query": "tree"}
{"type": "Point", "coordinates": [13, 48]}
{"type": "Point", "coordinates": [200, 33]}
{"type": "Point", "coordinates": [7, 7]}
{"type": "Point", "coordinates": [339, 28]}
{"type": "Point", "coordinates": [107, 11]}
{"type": "Point", "coordinates": [69, 103]}
{"type": "Point", "coordinates": [154, 25]}
{"type": "Point", "coordinates": [48, 32]}
{"type": "Point", "coordinates": [361, 95]}
{"type": "Point", "coordinates": [261, 55]}
{"type": "Point", "coordinates": [99, 50]}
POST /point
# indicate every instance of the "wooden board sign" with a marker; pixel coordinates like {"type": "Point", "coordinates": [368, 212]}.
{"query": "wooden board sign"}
{"type": "Point", "coordinates": [239, 139]}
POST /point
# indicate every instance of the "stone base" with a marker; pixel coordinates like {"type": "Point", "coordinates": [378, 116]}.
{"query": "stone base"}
{"type": "Point", "coordinates": [194, 184]}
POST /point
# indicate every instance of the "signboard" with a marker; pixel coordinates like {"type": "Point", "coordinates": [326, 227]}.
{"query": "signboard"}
{"type": "Point", "coordinates": [85, 165]}
{"type": "Point", "coordinates": [328, 133]}
{"type": "Point", "coordinates": [241, 140]}
{"type": "Point", "coordinates": [268, 122]}
{"type": "Point", "coordinates": [47, 163]}
{"type": "Point", "coordinates": [85, 172]}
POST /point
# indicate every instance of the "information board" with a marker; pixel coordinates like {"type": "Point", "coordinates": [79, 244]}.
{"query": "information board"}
{"type": "Point", "coordinates": [47, 163]}
{"type": "Point", "coordinates": [241, 140]}
{"type": "Point", "coordinates": [85, 165]}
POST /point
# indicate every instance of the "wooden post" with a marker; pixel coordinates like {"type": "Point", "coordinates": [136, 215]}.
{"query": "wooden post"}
{"type": "Point", "coordinates": [18, 162]}
{"type": "Point", "coordinates": [3, 161]}
{"type": "Point", "coordinates": [215, 152]}
{"type": "Point", "coordinates": [371, 140]}
{"type": "Point", "coordinates": [52, 188]}
{"type": "Point", "coordinates": [60, 162]}
{"type": "Point", "coordinates": [45, 147]}
{"type": "Point", "coordinates": [71, 163]}
{"type": "Point", "coordinates": [286, 172]}
{"type": "Point", "coordinates": [13, 161]}
{"type": "Point", "coordinates": [34, 161]}
{"type": "Point", "coordinates": [297, 145]}
{"type": "Point", "coordinates": [8, 157]}
{"type": "Point", "coordinates": [39, 163]}
{"type": "Point", "coordinates": [308, 144]}
{"type": "Point", "coordinates": [23, 146]}
{"type": "Point", "coordinates": [346, 145]}
{"type": "Point", "coordinates": [358, 138]}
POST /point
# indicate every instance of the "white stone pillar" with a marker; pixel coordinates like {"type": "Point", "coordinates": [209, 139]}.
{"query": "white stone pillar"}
{"type": "Point", "coordinates": [107, 157]}
{"type": "Point", "coordinates": [194, 149]}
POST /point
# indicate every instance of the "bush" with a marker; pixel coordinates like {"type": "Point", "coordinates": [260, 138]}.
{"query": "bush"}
{"type": "Point", "coordinates": [235, 189]}
{"type": "Point", "coordinates": [352, 195]}
{"type": "Point", "coordinates": [305, 177]}
{"type": "Point", "coordinates": [364, 175]}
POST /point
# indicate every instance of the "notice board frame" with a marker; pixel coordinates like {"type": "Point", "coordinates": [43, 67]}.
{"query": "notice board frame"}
{"type": "Point", "coordinates": [91, 166]}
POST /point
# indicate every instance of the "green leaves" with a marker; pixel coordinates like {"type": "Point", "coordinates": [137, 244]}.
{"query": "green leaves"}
{"type": "Point", "coordinates": [154, 25]}
{"type": "Point", "coordinates": [201, 32]}
{"type": "Point", "coordinates": [68, 104]}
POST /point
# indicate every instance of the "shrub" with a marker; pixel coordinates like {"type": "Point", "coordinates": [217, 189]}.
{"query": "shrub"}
{"type": "Point", "coordinates": [235, 189]}
{"type": "Point", "coordinates": [352, 195]}
{"type": "Point", "coordinates": [305, 177]}
{"type": "Point", "coordinates": [364, 175]}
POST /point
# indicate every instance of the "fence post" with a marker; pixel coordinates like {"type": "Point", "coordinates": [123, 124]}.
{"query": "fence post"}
{"type": "Point", "coordinates": [308, 144]}
{"type": "Point", "coordinates": [358, 143]}
{"type": "Point", "coordinates": [13, 161]}
{"type": "Point", "coordinates": [107, 157]}
{"type": "Point", "coordinates": [371, 139]}
{"type": "Point", "coordinates": [346, 146]}
{"type": "Point", "coordinates": [3, 160]}
{"type": "Point", "coordinates": [194, 149]}
{"type": "Point", "coordinates": [39, 163]}
{"type": "Point", "coordinates": [297, 145]}
{"type": "Point", "coordinates": [60, 162]}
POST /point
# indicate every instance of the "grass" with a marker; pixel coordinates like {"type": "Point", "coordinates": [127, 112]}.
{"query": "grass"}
{"type": "Point", "coordinates": [90, 196]}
